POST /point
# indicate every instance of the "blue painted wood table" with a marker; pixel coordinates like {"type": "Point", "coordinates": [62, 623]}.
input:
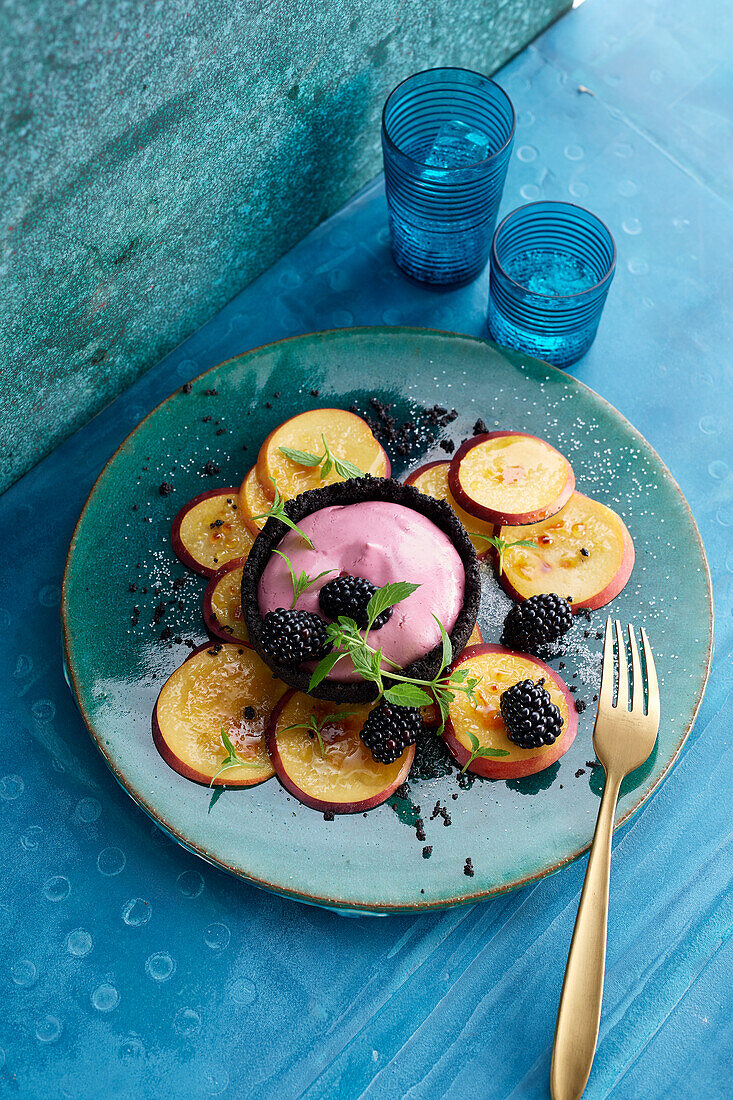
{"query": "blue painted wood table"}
{"type": "Point", "coordinates": [131, 969]}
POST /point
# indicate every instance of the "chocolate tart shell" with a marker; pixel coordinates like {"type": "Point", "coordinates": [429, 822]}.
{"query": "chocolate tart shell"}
{"type": "Point", "coordinates": [356, 491]}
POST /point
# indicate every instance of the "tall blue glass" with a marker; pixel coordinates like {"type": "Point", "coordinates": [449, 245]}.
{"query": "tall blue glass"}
{"type": "Point", "coordinates": [447, 136]}
{"type": "Point", "coordinates": [551, 266]}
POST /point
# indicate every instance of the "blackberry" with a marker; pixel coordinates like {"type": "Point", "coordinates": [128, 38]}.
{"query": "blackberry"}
{"type": "Point", "coordinates": [294, 636]}
{"type": "Point", "coordinates": [388, 731]}
{"type": "Point", "coordinates": [530, 716]}
{"type": "Point", "coordinates": [350, 596]}
{"type": "Point", "coordinates": [535, 622]}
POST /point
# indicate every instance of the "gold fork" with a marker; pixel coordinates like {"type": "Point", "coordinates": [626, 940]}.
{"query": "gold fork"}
{"type": "Point", "coordinates": [623, 738]}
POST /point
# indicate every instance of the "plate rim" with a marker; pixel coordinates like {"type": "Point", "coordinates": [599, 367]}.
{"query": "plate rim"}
{"type": "Point", "coordinates": [374, 907]}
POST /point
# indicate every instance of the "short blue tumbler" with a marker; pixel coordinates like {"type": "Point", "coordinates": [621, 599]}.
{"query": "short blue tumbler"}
{"type": "Point", "coordinates": [551, 266]}
{"type": "Point", "coordinates": [447, 137]}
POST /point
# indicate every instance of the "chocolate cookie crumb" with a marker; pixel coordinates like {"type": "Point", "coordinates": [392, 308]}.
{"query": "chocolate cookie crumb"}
{"type": "Point", "coordinates": [211, 468]}
{"type": "Point", "coordinates": [427, 852]}
{"type": "Point", "coordinates": [178, 583]}
{"type": "Point", "coordinates": [211, 393]}
{"type": "Point", "coordinates": [584, 552]}
{"type": "Point", "coordinates": [580, 771]}
{"type": "Point", "coordinates": [315, 393]}
{"type": "Point", "coordinates": [592, 764]}
{"type": "Point", "coordinates": [220, 431]}
{"type": "Point", "coordinates": [165, 488]}
{"type": "Point", "coordinates": [580, 705]}
{"type": "Point", "coordinates": [132, 587]}
{"type": "Point", "coordinates": [468, 868]}
{"type": "Point", "coordinates": [186, 387]}
{"type": "Point", "coordinates": [447, 445]}
{"type": "Point", "coordinates": [328, 815]}
{"type": "Point", "coordinates": [165, 634]}
{"type": "Point", "coordinates": [479, 427]}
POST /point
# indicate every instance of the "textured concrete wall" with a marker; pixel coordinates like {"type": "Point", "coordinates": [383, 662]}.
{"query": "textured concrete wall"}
{"type": "Point", "coordinates": [156, 156]}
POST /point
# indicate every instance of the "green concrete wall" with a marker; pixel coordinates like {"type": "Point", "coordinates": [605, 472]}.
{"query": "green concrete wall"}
{"type": "Point", "coordinates": [156, 156]}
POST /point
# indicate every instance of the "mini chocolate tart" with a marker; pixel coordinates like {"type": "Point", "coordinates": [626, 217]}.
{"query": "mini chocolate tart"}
{"type": "Point", "coordinates": [358, 491]}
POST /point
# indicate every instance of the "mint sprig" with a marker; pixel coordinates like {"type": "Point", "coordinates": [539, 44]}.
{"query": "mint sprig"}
{"type": "Point", "coordinates": [396, 688]}
{"type": "Point", "coordinates": [277, 511]}
{"type": "Point", "coordinates": [315, 726]}
{"type": "Point", "coordinates": [231, 760]}
{"type": "Point", "coordinates": [327, 461]}
{"type": "Point", "coordinates": [501, 545]}
{"type": "Point", "coordinates": [477, 749]}
{"type": "Point", "coordinates": [301, 581]}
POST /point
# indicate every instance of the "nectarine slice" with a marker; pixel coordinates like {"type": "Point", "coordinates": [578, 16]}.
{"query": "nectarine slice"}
{"type": "Point", "coordinates": [498, 669]}
{"type": "Point", "coordinates": [218, 687]}
{"type": "Point", "coordinates": [584, 552]}
{"type": "Point", "coordinates": [222, 607]}
{"type": "Point", "coordinates": [431, 714]}
{"type": "Point", "coordinates": [345, 778]}
{"type": "Point", "coordinates": [208, 532]}
{"type": "Point", "coordinates": [432, 479]}
{"type": "Point", "coordinates": [510, 478]}
{"type": "Point", "coordinates": [253, 501]}
{"type": "Point", "coordinates": [348, 437]}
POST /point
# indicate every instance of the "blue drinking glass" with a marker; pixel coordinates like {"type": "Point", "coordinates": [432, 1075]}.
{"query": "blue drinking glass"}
{"type": "Point", "coordinates": [551, 266]}
{"type": "Point", "coordinates": [447, 137]}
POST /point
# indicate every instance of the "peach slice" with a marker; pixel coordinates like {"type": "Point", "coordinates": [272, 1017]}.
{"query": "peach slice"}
{"type": "Point", "coordinates": [222, 608]}
{"type": "Point", "coordinates": [510, 478]}
{"type": "Point", "coordinates": [432, 479]}
{"type": "Point", "coordinates": [431, 714]}
{"type": "Point", "coordinates": [345, 779]}
{"type": "Point", "coordinates": [584, 552]}
{"type": "Point", "coordinates": [499, 669]}
{"type": "Point", "coordinates": [348, 436]}
{"type": "Point", "coordinates": [218, 687]}
{"type": "Point", "coordinates": [253, 501]}
{"type": "Point", "coordinates": [208, 532]}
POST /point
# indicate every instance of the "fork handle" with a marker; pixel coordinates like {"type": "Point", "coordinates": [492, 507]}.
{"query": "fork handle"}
{"type": "Point", "coordinates": [579, 1014]}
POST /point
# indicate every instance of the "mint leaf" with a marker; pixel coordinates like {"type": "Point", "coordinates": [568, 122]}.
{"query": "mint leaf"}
{"type": "Point", "coordinates": [326, 468]}
{"type": "Point", "coordinates": [303, 458]}
{"type": "Point", "coordinates": [346, 469]}
{"type": "Point", "coordinates": [322, 669]}
{"type": "Point", "coordinates": [388, 596]}
{"type": "Point", "coordinates": [407, 695]}
{"type": "Point", "coordinates": [447, 655]}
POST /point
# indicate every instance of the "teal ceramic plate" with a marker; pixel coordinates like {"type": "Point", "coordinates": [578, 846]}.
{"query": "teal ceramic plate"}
{"type": "Point", "coordinates": [513, 832]}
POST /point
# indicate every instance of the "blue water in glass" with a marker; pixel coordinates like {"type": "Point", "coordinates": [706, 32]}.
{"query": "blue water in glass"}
{"type": "Point", "coordinates": [553, 272]}
{"type": "Point", "coordinates": [551, 266]}
{"type": "Point", "coordinates": [457, 145]}
{"type": "Point", "coordinates": [447, 137]}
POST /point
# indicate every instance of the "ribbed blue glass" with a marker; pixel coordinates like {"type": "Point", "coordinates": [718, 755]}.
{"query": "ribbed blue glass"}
{"type": "Point", "coordinates": [447, 136]}
{"type": "Point", "coordinates": [551, 266]}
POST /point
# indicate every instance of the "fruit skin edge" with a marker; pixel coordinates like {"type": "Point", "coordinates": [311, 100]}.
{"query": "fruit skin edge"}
{"type": "Point", "coordinates": [210, 620]}
{"type": "Point", "coordinates": [179, 765]}
{"type": "Point", "coordinates": [492, 768]}
{"type": "Point", "coordinates": [491, 515]}
{"type": "Point", "coordinates": [412, 478]}
{"type": "Point", "coordinates": [177, 544]}
{"type": "Point", "coordinates": [614, 587]}
{"type": "Point", "coordinates": [319, 803]}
